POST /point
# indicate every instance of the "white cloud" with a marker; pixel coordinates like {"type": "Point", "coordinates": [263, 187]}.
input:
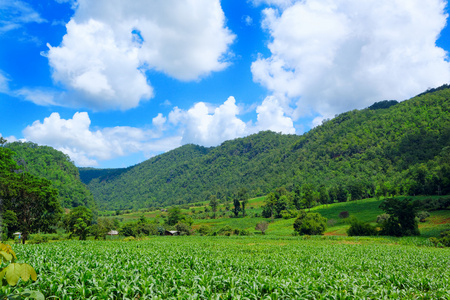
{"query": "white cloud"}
{"type": "Point", "coordinates": [271, 117]}
{"type": "Point", "coordinates": [4, 85]}
{"type": "Point", "coordinates": [15, 14]}
{"type": "Point", "coordinates": [159, 121]}
{"type": "Point", "coordinates": [210, 128]}
{"type": "Point", "coordinates": [202, 124]}
{"type": "Point", "coordinates": [108, 48]}
{"type": "Point", "coordinates": [85, 146]}
{"type": "Point", "coordinates": [279, 3]}
{"type": "Point", "coordinates": [37, 96]}
{"type": "Point", "coordinates": [333, 56]}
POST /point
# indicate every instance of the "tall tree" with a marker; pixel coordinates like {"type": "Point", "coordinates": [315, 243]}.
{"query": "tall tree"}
{"type": "Point", "coordinates": [33, 200]}
{"type": "Point", "coordinates": [213, 203]}
{"type": "Point", "coordinates": [78, 221]}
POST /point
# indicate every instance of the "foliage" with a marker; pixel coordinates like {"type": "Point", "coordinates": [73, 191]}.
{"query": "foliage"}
{"type": "Point", "coordinates": [184, 229]}
{"type": "Point", "coordinates": [262, 226]}
{"type": "Point", "coordinates": [11, 274]}
{"type": "Point", "coordinates": [423, 215]}
{"type": "Point", "coordinates": [310, 224]}
{"type": "Point", "coordinates": [360, 228]}
{"type": "Point", "coordinates": [402, 149]}
{"type": "Point", "coordinates": [402, 217]}
{"type": "Point", "coordinates": [78, 221]}
{"type": "Point", "coordinates": [46, 162]}
{"type": "Point", "coordinates": [32, 200]}
{"type": "Point", "coordinates": [256, 267]}
{"type": "Point", "coordinates": [444, 239]}
{"type": "Point", "coordinates": [382, 218]}
{"type": "Point", "coordinates": [343, 214]}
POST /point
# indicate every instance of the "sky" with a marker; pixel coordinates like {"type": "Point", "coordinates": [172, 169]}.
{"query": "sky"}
{"type": "Point", "coordinates": [112, 83]}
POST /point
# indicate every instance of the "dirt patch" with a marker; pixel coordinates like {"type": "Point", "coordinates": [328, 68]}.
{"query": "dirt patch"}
{"type": "Point", "coordinates": [334, 233]}
{"type": "Point", "coordinates": [349, 242]}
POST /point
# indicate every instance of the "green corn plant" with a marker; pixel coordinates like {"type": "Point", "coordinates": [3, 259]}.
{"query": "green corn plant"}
{"type": "Point", "coordinates": [13, 272]}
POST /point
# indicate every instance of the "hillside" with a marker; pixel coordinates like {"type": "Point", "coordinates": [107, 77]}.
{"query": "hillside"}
{"type": "Point", "coordinates": [46, 162]}
{"type": "Point", "coordinates": [389, 148]}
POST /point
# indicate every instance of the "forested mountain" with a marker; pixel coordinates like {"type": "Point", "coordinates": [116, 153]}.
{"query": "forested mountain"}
{"type": "Point", "coordinates": [46, 162]}
{"type": "Point", "coordinates": [389, 148]}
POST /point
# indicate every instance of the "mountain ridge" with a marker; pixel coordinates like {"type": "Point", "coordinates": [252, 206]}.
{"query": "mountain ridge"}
{"type": "Point", "coordinates": [388, 148]}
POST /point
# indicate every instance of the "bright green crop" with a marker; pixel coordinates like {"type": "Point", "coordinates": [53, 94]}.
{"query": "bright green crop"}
{"type": "Point", "coordinates": [238, 268]}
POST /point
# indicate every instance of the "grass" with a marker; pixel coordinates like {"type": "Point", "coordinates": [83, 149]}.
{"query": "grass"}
{"type": "Point", "coordinates": [365, 210]}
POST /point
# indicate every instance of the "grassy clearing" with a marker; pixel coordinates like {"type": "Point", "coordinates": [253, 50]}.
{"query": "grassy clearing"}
{"type": "Point", "coordinates": [366, 210]}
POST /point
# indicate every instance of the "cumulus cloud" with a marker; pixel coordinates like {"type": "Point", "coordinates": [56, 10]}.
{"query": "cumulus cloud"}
{"type": "Point", "coordinates": [272, 117]}
{"type": "Point", "coordinates": [108, 48]}
{"type": "Point", "coordinates": [202, 124]}
{"type": "Point", "coordinates": [333, 56]}
{"type": "Point", "coordinates": [209, 126]}
{"type": "Point", "coordinates": [86, 146]}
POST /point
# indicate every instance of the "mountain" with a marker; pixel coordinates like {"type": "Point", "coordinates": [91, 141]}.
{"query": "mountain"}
{"type": "Point", "coordinates": [46, 162]}
{"type": "Point", "coordinates": [389, 148]}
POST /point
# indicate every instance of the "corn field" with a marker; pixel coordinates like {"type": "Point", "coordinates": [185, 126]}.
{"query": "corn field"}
{"type": "Point", "coordinates": [236, 268]}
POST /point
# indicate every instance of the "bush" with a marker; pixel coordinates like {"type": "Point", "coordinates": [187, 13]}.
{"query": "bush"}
{"type": "Point", "coordinates": [331, 222]}
{"type": "Point", "coordinates": [262, 226]}
{"type": "Point", "coordinates": [225, 230]}
{"type": "Point", "coordinates": [183, 228]}
{"type": "Point", "coordinates": [310, 224]}
{"type": "Point", "coordinates": [382, 218]}
{"type": "Point", "coordinates": [423, 215]}
{"type": "Point", "coordinates": [203, 230]}
{"type": "Point", "coordinates": [360, 228]}
{"type": "Point", "coordinates": [344, 214]}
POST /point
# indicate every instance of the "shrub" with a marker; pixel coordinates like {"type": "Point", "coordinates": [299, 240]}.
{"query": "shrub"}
{"type": "Point", "coordinates": [310, 224]}
{"type": "Point", "coordinates": [360, 228]}
{"type": "Point", "coordinates": [423, 215]}
{"type": "Point", "coordinates": [382, 218]}
{"type": "Point", "coordinates": [343, 214]}
{"type": "Point", "coordinates": [331, 222]}
{"type": "Point", "coordinates": [203, 230]}
{"type": "Point", "coordinates": [183, 228]}
{"type": "Point", "coordinates": [225, 230]}
{"type": "Point", "coordinates": [262, 226]}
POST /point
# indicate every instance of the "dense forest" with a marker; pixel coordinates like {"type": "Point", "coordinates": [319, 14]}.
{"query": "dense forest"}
{"type": "Point", "coordinates": [389, 148]}
{"type": "Point", "coordinates": [48, 163]}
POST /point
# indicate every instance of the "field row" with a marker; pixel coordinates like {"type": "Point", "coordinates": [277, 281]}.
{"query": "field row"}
{"type": "Point", "coordinates": [237, 267]}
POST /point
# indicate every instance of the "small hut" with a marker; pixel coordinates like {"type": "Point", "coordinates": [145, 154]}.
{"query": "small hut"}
{"type": "Point", "coordinates": [113, 232]}
{"type": "Point", "coordinates": [171, 232]}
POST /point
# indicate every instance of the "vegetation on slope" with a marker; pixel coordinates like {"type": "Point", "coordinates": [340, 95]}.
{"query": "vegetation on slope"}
{"type": "Point", "coordinates": [46, 162]}
{"type": "Point", "coordinates": [387, 149]}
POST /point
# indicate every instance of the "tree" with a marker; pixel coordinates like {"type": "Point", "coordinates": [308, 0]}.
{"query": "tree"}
{"type": "Point", "coordinates": [262, 226]}
{"type": "Point", "coordinates": [402, 217]}
{"type": "Point", "coordinates": [310, 223]}
{"type": "Point", "coordinates": [213, 203]}
{"type": "Point", "coordinates": [35, 203]}
{"type": "Point", "coordinates": [78, 221]}
{"type": "Point", "coordinates": [33, 200]}
{"type": "Point", "coordinates": [174, 215]}
{"type": "Point", "coordinates": [308, 195]}
{"type": "Point", "coordinates": [237, 207]}
{"type": "Point", "coordinates": [243, 197]}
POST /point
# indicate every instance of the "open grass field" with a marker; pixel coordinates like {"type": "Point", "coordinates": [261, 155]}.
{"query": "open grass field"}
{"type": "Point", "coordinates": [365, 210]}
{"type": "Point", "coordinates": [256, 267]}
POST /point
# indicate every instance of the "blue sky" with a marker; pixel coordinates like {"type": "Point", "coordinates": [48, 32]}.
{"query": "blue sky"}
{"type": "Point", "coordinates": [112, 83]}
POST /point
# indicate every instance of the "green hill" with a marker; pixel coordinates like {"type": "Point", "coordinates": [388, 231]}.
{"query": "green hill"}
{"type": "Point", "coordinates": [46, 162]}
{"type": "Point", "coordinates": [387, 149]}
